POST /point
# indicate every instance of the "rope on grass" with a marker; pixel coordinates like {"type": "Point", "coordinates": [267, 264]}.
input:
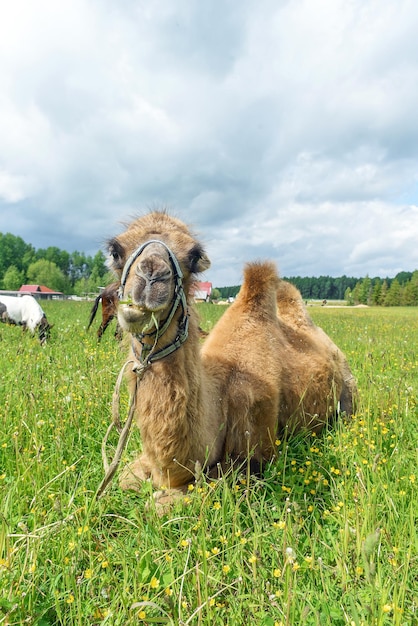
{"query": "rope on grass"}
{"type": "Point", "coordinates": [110, 468]}
{"type": "Point", "coordinates": [139, 367]}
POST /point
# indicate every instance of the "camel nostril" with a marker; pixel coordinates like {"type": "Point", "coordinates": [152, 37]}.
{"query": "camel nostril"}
{"type": "Point", "coordinates": [138, 288]}
{"type": "Point", "coordinates": [141, 273]}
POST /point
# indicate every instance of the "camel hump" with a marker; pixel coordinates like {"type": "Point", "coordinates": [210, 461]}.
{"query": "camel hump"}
{"type": "Point", "coordinates": [260, 276]}
{"type": "Point", "coordinates": [260, 284]}
{"type": "Point", "coordinates": [290, 306]}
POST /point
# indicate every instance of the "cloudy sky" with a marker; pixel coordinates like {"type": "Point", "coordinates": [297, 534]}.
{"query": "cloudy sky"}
{"type": "Point", "coordinates": [284, 129]}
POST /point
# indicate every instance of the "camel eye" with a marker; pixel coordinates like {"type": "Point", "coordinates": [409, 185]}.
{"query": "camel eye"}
{"type": "Point", "coordinates": [116, 260]}
{"type": "Point", "coordinates": [198, 260]}
{"type": "Point", "coordinates": [116, 254]}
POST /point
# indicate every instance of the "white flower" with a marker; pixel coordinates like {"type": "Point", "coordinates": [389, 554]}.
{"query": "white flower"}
{"type": "Point", "coordinates": [290, 555]}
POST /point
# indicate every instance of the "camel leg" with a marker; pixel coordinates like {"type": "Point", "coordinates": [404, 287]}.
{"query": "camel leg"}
{"type": "Point", "coordinates": [164, 499]}
{"type": "Point", "coordinates": [135, 473]}
{"type": "Point", "coordinates": [349, 396]}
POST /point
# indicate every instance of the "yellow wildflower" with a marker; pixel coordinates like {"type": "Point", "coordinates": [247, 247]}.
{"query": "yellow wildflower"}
{"type": "Point", "coordinates": [155, 583]}
{"type": "Point", "coordinates": [280, 525]}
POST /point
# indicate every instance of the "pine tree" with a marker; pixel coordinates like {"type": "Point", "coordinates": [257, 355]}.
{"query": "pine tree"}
{"type": "Point", "coordinates": [394, 294]}
{"type": "Point", "coordinates": [376, 292]}
{"type": "Point", "coordinates": [383, 293]}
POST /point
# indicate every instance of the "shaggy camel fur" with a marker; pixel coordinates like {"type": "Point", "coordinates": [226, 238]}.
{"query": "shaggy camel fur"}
{"type": "Point", "coordinates": [264, 367]}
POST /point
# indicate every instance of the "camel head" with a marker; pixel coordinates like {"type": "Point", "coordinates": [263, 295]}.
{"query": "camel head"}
{"type": "Point", "coordinates": [155, 258]}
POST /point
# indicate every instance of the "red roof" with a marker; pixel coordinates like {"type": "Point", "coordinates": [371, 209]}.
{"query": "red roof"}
{"type": "Point", "coordinates": [36, 289]}
{"type": "Point", "coordinates": [205, 287]}
{"type": "Point", "coordinates": [201, 291]}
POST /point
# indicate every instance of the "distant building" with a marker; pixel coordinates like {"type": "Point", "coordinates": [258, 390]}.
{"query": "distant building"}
{"type": "Point", "coordinates": [202, 291]}
{"type": "Point", "coordinates": [40, 291]}
{"type": "Point", "coordinates": [37, 291]}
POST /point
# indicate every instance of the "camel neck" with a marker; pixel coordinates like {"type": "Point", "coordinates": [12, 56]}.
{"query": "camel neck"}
{"type": "Point", "coordinates": [160, 343]}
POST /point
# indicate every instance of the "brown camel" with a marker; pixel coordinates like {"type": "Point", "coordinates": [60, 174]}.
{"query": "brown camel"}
{"type": "Point", "coordinates": [263, 368]}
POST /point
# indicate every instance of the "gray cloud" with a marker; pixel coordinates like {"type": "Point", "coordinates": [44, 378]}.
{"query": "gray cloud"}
{"type": "Point", "coordinates": [285, 130]}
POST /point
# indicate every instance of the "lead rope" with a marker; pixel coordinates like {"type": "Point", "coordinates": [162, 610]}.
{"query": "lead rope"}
{"type": "Point", "coordinates": [139, 368]}
{"type": "Point", "coordinates": [110, 468]}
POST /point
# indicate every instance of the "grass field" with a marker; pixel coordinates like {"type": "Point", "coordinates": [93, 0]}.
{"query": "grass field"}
{"type": "Point", "coordinates": [329, 536]}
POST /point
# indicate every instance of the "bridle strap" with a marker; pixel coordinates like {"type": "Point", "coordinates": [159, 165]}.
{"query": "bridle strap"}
{"type": "Point", "coordinates": [135, 254]}
{"type": "Point", "coordinates": [179, 298]}
{"type": "Point", "coordinates": [143, 363]}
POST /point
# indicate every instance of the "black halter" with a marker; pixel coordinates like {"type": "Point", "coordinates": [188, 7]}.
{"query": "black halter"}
{"type": "Point", "coordinates": [148, 354]}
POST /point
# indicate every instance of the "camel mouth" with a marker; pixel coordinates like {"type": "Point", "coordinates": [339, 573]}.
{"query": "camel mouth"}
{"type": "Point", "coordinates": [133, 309]}
{"type": "Point", "coordinates": [133, 305]}
{"type": "Point", "coordinates": [136, 318]}
{"type": "Point", "coordinates": [133, 313]}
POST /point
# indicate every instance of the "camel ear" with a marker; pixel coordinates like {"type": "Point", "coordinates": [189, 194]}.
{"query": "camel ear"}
{"type": "Point", "coordinates": [198, 259]}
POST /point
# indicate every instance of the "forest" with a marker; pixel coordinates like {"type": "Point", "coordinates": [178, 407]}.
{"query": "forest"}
{"type": "Point", "coordinates": [79, 274]}
{"type": "Point", "coordinates": [402, 290]}
{"type": "Point", "coordinates": [70, 273]}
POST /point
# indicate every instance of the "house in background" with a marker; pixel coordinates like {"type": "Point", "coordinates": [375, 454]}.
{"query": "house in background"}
{"type": "Point", "coordinates": [202, 291]}
{"type": "Point", "coordinates": [39, 291]}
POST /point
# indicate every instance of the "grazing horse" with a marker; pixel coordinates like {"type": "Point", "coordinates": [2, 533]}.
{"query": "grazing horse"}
{"type": "Point", "coordinates": [26, 312]}
{"type": "Point", "coordinates": [3, 313]}
{"type": "Point", "coordinates": [109, 299]}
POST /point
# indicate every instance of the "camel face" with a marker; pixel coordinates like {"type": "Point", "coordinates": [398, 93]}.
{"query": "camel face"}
{"type": "Point", "coordinates": [152, 257]}
{"type": "Point", "coordinates": [149, 287]}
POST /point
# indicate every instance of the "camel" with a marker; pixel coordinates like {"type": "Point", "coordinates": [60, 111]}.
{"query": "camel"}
{"type": "Point", "coordinates": [265, 367]}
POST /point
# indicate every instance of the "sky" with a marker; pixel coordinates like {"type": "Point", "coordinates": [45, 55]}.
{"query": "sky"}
{"type": "Point", "coordinates": [277, 129]}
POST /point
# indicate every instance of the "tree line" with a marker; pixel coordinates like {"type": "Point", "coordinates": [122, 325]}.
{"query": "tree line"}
{"type": "Point", "coordinates": [310, 287]}
{"type": "Point", "coordinates": [402, 290]}
{"type": "Point", "coordinates": [79, 274]}
{"type": "Point", "coordinates": [70, 273]}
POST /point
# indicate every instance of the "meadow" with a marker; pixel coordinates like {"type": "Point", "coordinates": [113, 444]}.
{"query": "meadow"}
{"type": "Point", "coordinates": [327, 536]}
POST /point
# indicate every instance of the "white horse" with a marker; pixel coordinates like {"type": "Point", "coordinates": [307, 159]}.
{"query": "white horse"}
{"type": "Point", "coordinates": [27, 312]}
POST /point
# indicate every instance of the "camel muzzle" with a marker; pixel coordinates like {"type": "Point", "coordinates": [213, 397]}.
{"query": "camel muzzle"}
{"type": "Point", "coordinates": [149, 352]}
{"type": "Point", "coordinates": [178, 274]}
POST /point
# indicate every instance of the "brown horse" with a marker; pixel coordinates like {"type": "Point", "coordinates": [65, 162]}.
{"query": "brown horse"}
{"type": "Point", "coordinates": [109, 299]}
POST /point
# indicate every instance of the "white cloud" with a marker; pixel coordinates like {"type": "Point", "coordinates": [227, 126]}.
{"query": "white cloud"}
{"type": "Point", "coordinates": [283, 129]}
{"type": "Point", "coordinates": [14, 188]}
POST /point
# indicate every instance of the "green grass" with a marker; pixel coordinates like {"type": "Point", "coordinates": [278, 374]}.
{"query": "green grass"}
{"type": "Point", "coordinates": [327, 537]}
